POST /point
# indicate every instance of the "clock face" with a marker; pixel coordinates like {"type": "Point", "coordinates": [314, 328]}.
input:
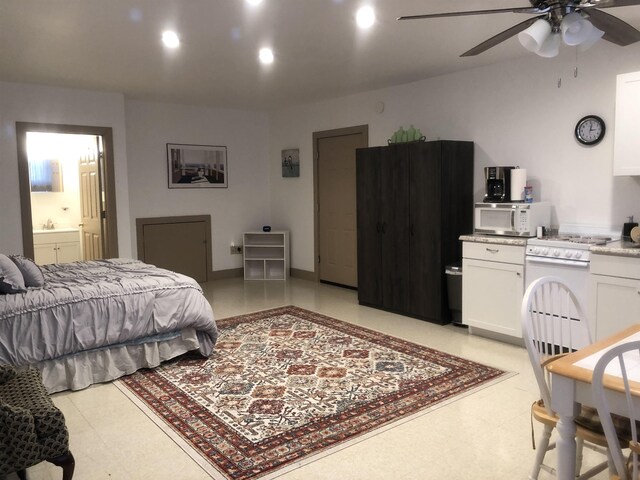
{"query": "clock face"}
{"type": "Point", "coordinates": [590, 130]}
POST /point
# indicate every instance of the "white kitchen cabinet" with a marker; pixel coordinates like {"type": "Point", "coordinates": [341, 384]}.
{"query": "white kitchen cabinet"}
{"type": "Point", "coordinates": [614, 287]}
{"type": "Point", "coordinates": [266, 255]}
{"type": "Point", "coordinates": [492, 288]}
{"type": "Point", "coordinates": [51, 246]}
{"type": "Point", "coordinates": [626, 160]}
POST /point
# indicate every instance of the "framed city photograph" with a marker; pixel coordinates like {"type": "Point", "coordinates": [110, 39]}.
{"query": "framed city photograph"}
{"type": "Point", "coordinates": [197, 166]}
{"type": "Point", "coordinates": [291, 162]}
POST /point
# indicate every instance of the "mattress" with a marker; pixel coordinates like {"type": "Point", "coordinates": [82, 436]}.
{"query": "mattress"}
{"type": "Point", "coordinates": [102, 304]}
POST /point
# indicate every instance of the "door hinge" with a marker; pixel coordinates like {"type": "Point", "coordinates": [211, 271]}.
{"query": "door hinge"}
{"type": "Point", "coordinates": [318, 258]}
{"type": "Point", "coordinates": [103, 214]}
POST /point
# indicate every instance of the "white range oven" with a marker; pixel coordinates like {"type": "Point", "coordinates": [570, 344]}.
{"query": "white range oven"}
{"type": "Point", "coordinates": [566, 256]}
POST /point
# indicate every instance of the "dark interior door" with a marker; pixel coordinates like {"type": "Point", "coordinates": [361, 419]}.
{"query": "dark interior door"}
{"type": "Point", "coordinates": [395, 256]}
{"type": "Point", "coordinates": [369, 225]}
{"type": "Point", "coordinates": [425, 245]}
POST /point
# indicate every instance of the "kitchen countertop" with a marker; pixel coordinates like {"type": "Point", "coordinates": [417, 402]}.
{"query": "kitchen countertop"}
{"type": "Point", "coordinates": [495, 239]}
{"type": "Point", "coordinates": [620, 249]}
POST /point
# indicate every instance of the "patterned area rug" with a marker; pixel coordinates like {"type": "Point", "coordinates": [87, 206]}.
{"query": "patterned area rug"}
{"type": "Point", "coordinates": [287, 384]}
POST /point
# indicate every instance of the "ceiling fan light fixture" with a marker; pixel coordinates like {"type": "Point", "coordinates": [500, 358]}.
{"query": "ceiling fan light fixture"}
{"type": "Point", "coordinates": [551, 46]}
{"type": "Point", "coordinates": [534, 37]}
{"type": "Point", "coordinates": [595, 35]}
{"type": "Point", "coordinates": [575, 29]}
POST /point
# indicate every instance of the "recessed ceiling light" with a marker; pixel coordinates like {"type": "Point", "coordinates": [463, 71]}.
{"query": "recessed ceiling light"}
{"type": "Point", "coordinates": [254, 2]}
{"type": "Point", "coordinates": [266, 56]}
{"type": "Point", "coordinates": [170, 39]}
{"type": "Point", "coordinates": [365, 17]}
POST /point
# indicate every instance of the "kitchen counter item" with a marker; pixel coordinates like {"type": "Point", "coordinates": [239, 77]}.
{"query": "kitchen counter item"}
{"type": "Point", "coordinates": [518, 183]}
{"type": "Point", "coordinates": [628, 226]}
{"type": "Point", "coordinates": [497, 240]}
{"type": "Point", "coordinates": [511, 219]}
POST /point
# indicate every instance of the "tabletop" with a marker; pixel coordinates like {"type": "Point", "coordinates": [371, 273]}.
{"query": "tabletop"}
{"type": "Point", "coordinates": [579, 365]}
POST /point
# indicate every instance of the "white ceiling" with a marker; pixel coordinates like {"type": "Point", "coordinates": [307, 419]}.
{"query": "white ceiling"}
{"type": "Point", "coordinates": [114, 45]}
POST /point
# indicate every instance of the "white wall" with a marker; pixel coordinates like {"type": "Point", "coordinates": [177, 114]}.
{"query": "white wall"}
{"type": "Point", "coordinates": [515, 114]}
{"type": "Point", "coordinates": [42, 104]}
{"type": "Point", "coordinates": [243, 206]}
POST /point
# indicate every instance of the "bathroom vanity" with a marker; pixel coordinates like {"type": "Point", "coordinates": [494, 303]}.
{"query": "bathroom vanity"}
{"type": "Point", "coordinates": [60, 245]}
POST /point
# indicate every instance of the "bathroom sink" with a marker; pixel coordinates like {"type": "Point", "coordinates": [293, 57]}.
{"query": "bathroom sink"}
{"type": "Point", "coordinates": [56, 230]}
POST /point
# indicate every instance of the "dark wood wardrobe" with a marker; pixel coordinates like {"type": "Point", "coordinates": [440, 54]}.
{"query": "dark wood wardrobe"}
{"type": "Point", "coordinates": [413, 202]}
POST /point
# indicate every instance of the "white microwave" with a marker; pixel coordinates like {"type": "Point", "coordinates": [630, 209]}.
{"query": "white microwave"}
{"type": "Point", "coordinates": [511, 219]}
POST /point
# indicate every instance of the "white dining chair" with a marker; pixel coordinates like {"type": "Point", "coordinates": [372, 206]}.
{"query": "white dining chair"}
{"type": "Point", "coordinates": [554, 324]}
{"type": "Point", "coordinates": [621, 431]}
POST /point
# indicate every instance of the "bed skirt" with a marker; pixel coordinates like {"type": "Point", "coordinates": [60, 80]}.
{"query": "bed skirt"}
{"type": "Point", "coordinates": [79, 370]}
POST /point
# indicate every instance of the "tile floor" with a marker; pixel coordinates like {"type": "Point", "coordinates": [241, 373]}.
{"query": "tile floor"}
{"type": "Point", "coordinates": [486, 435]}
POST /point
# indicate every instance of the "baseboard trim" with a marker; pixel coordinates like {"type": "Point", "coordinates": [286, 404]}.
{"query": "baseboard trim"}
{"type": "Point", "coordinates": [303, 274]}
{"type": "Point", "coordinates": [229, 273]}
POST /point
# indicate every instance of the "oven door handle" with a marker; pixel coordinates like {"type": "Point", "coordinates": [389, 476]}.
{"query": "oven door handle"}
{"type": "Point", "coordinates": [558, 261]}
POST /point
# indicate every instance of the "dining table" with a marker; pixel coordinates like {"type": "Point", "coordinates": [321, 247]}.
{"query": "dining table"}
{"type": "Point", "coordinates": [571, 377]}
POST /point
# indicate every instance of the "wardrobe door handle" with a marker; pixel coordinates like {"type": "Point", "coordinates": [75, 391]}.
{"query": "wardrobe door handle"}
{"type": "Point", "coordinates": [384, 224]}
{"type": "Point", "coordinates": [378, 227]}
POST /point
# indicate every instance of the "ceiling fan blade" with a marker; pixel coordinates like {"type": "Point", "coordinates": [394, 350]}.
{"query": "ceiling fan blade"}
{"type": "Point", "coordinates": [615, 30]}
{"type": "Point", "coordinates": [610, 3]}
{"type": "Point", "coordinates": [501, 37]}
{"type": "Point", "coordinates": [478, 12]}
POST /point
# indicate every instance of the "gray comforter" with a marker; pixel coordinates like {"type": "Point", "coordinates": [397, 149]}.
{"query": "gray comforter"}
{"type": "Point", "coordinates": [97, 304]}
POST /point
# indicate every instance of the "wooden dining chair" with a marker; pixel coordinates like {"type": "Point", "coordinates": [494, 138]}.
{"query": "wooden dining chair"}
{"type": "Point", "coordinates": [554, 324]}
{"type": "Point", "coordinates": [620, 430]}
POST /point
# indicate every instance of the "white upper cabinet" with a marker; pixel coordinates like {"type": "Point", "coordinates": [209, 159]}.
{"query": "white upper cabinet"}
{"type": "Point", "coordinates": [626, 149]}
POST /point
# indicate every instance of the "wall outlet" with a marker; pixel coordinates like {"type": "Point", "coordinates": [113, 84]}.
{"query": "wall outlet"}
{"type": "Point", "coordinates": [235, 249]}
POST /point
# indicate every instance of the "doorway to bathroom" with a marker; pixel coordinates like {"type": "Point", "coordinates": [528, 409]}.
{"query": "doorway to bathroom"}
{"type": "Point", "coordinates": [67, 192]}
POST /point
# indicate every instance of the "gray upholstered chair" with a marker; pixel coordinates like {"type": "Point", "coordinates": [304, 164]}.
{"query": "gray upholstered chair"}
{"type": "Point", "coordinates": [32, 429]}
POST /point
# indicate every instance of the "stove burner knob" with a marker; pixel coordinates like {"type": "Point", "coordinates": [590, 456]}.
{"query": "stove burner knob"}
{"type": "Point", "coordinates": [545, 251]}
{"type": "Point", "coordinates": [556, 252]}
{"type": "Point", "coordinates": [568, 254]}
{"type": "Point", "coordinates": [535, 250]}
{"type": "Point", "coordinates": [578, 254]}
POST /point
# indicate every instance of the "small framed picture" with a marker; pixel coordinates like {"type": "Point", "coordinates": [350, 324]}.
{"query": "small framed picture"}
{"type": "Point", "coordinates": [197, 166]}
{"type": "Point", "coordinates": [291, 162]}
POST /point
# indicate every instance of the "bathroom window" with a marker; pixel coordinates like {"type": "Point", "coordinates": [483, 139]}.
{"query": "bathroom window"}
{"type": "Point", "coordinates": [45, 175]}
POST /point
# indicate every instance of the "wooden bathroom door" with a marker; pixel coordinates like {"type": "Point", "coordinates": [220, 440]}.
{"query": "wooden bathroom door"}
{"type": "Point", "coordinates": [91, 202]}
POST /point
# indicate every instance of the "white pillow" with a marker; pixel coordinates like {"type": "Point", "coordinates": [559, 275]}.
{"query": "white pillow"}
{"type": "Point", "coordinates": [31, 272]}
{"type": "Point", "coordinates": [11, 280]}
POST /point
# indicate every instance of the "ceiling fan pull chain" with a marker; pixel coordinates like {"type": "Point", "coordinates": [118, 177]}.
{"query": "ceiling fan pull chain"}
{"type": "Point", "coordinates": [559, 82]}
{"type": "Point", "coordinates": [575, 69]}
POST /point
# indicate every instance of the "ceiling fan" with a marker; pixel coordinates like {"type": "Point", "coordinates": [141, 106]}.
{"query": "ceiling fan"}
{"type": "Point", "coordinates": [578, 22]}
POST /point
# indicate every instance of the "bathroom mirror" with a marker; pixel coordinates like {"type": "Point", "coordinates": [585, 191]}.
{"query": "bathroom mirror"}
{"type": "Point", "coordinates": [45, 175]}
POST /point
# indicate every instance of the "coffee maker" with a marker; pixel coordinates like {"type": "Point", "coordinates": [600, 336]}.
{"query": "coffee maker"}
{"type": "Point", "coordinates": [497, 184]}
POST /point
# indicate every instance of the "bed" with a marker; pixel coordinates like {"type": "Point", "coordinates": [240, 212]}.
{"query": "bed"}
{"type": "Point", "coordinates": [95, 321]}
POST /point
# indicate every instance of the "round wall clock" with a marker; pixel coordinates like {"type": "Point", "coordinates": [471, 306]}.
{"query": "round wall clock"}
{"type": "Point", "coordinates": [590, 130]}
